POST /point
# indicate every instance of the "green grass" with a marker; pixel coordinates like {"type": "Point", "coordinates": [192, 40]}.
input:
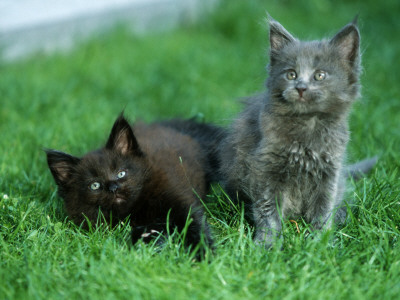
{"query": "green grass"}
{"type": "Point", "coordinates": [69, 101]}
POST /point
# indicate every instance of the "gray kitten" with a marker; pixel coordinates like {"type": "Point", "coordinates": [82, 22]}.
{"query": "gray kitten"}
{"type": "Point", "coordinates": [285, 152]}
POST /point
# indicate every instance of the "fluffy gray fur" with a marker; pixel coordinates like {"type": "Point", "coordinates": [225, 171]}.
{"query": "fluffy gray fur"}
{"type": "Point", "coordinates": [285, 152]}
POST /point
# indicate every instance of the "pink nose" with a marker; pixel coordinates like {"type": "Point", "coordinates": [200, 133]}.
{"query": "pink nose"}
{"type": "Point", "coordinates": [301, 91]}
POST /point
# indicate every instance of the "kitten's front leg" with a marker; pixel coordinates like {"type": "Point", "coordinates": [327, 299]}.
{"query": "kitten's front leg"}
{"type": "Point", "coordinates": [267, 222]}
{"type": "Point", "coordinates": [321, 214]}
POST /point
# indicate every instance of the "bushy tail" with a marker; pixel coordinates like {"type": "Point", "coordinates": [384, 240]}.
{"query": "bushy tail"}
{"type": "Point", "coordinates": [207, 135]}
{"type": "Point", "coordinates": [355, 171]}
{"type": "Point", "coordinates": [359, 169]}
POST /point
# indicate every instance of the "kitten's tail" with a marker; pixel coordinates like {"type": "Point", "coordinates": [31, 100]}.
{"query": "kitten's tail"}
{"type": "Point", "coordinates": [355, 171]}
{"type": "Point", "coordinates": [359, 169]}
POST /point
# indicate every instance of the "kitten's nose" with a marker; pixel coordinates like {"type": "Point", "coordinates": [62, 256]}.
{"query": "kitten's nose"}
{"type": "Point", "coordinates": [301, 90]}
{"type": "Point", "coordinates": [113, 187]}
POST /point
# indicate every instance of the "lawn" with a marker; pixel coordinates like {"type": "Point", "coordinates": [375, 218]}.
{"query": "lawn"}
{"type": "Point", "coordinates": [69, 102]}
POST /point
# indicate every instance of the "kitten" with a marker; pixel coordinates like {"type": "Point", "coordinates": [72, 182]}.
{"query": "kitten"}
{"type": "Point", "coordinates": [149, 173]}
{"type": "Point", "coordinates": [285, 152]}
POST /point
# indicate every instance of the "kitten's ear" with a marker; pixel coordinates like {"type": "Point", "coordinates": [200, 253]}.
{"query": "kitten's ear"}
{"type": "Point", "coordinates": [278, 35]}
{"type": "Point", "coordinates": [61, 165]}
{"type": "Point", "coordinates": [122, 138]}
{"type": "Point", "coordinates": [347, 41]}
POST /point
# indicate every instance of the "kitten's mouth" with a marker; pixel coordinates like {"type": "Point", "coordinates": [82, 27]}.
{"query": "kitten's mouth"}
{"type": "Point", "coordinates": [119, 200]}
{"type": "Point", "coordinates": [302, 100]}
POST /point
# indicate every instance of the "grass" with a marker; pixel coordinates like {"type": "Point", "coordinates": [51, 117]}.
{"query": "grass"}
{"type": "Point", "coordinates": [69, 101]}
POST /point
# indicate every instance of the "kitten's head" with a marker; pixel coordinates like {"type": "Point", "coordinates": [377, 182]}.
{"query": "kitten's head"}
{"type": "Point", "coordinates": [314, 76]}
{"type": "Point", "coordinates": [109, 179]}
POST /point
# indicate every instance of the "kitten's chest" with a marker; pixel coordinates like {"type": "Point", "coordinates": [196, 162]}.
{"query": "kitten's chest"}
{"type": "Point", "coordinates": [303, 150]}
{"type": "Point", "coordinates": [298, 173]}
{"type": "Point", "coordinates": [307, 160]}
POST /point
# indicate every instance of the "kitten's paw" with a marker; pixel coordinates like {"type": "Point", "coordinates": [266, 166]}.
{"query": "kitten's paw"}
{"type": "Point", "coordinates": [268, 240]}
{"type": "Point", "coordinates": [264, 243]}
{"type": "Point", "coordinates": [148, 234]}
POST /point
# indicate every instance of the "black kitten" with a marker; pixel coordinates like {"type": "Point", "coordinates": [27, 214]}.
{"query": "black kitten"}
{"type": "Point", "coordinates": [151, 173]}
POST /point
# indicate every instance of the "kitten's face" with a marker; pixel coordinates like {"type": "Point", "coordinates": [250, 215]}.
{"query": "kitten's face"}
{"type": "Point", "coordinates": [317, 76]}
{"type": "Point", "coordinates": [109, 179]}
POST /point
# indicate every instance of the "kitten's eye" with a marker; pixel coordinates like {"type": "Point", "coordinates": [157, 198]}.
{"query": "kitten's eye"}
{"type": "Point", "coordinates": [121, 174]}
{"type": "Point", "coordinates": [291, 75]}
{"type": "Point", "coordinates": [320, 75]}
{"type": "Point", "coordinates": [95, 186]}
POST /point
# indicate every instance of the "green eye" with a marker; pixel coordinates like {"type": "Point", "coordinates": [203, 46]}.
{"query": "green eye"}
{"type": "Point", "coordinates": [291, 75]}
{"type": "Point", "coordinates": [95, 186]}
{"type": "Point", "coordinates": [121, 174]}
{"type": "Point", "coordinates": [320, 75]}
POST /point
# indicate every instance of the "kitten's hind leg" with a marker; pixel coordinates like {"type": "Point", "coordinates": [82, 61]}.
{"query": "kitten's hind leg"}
{"type": "Point", "coordinates": [198, 230]}
{"type": "Point", "coordinates": [198, 234]}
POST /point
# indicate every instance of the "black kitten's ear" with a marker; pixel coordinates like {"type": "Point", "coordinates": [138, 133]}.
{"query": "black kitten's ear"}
{"type": "Point", "coordinates": [122, 138]}
{"type": "Point", "coordinates": [61, 165]}
{"type": "Point", "coordinates": [278, 35]}
{"type": "Point", "coordinates": [347, 41]}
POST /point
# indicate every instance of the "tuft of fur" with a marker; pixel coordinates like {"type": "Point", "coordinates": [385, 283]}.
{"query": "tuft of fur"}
{"type": "Point", "coordinates": [150, 173]}
{"type": "Point", "coordinates": [284, 154]}
{"type": "Point", "coordinates": [209, 136]}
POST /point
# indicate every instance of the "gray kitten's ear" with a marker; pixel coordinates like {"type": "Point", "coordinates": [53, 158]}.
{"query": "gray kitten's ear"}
{"type": "Point", "coordinates": [355, 20]}
{"type": "Point", "coordinates": [347, 41]}
{"type": "Point", "coordinates": [278, 35]}
{"type": "Point", "coordinates": [61, 165]}
{"type": "Point", "coordinates": [122, 138]}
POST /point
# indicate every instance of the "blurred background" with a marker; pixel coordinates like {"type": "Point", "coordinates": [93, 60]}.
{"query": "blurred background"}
{"type": "Point", "coordinates": [27, 26]}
